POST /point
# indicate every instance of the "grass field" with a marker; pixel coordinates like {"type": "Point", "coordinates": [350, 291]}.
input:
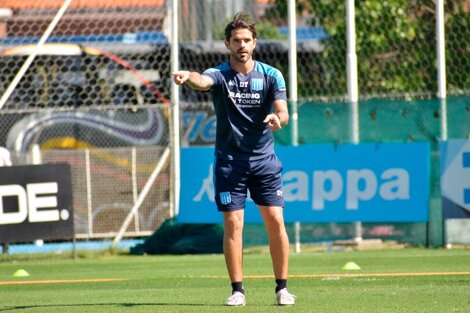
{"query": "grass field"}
{"type": "Point", "coordinates": [407, 280]}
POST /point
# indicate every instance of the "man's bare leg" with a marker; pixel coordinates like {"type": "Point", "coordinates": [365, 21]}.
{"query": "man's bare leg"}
{"type": "Point", "coordinates": [278, 240]}
{"type": "Point", "coordinates": [279, 247]}
{"type": "Point", "coordinates": [233, 244]}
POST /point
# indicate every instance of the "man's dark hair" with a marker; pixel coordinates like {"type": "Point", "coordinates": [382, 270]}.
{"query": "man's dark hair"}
{"type": "Point", "coordinates": [241, 20]}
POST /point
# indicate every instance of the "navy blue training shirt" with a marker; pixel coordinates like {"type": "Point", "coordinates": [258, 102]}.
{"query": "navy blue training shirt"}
{"type": "Point", "coordinates": [241, 104]}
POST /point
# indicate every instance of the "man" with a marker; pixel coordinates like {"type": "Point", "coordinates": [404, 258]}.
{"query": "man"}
{"type": "Point", "coordinates": [250, 102]}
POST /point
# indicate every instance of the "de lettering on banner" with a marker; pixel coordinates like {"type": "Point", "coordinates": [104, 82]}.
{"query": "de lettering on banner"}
{"type": "Point", "coordinates": [35, 203]}
{"type": "Point", "coordinates": [368, 182]}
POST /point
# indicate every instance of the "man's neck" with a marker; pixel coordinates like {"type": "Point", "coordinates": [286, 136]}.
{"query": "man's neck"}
{"type": "Point", "coordinates": [243, 68]}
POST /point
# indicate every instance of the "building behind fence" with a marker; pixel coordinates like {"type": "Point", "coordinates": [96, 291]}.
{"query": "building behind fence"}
{"type": "Point", "coordinates": [98, 94]}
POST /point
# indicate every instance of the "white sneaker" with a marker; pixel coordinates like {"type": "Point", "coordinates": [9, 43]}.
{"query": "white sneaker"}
{"type": "Point", "coordinates": [283, 297]}
{"type": "Point", "coordinates": [236, 299]}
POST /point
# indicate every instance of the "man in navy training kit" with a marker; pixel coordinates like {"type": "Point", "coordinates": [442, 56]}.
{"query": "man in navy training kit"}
{"type": "Point", "coordinates": [250, 102]}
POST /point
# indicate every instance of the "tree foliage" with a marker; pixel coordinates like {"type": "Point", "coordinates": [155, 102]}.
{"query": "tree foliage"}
{"type": "Point", "coordinates": [396, 44]}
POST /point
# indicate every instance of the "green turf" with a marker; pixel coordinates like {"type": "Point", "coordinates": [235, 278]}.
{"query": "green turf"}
{"type": "Point", "coordinates": [200, 284]}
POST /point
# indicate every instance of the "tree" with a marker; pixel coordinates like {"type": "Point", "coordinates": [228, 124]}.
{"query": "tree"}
{"type": "Point", "coordinates": [395, 45]}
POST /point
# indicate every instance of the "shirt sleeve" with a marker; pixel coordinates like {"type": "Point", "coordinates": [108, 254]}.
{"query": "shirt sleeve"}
{"type": "Point", "coordinates": [279, 86]}
{"type": "Point", "coordinates": [214, 74]}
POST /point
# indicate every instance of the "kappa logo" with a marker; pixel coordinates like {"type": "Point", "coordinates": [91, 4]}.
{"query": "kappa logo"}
{"type": "Point", "coordinates": [231, 83]}
{"type": "Point", "coordinates": [353, 187]}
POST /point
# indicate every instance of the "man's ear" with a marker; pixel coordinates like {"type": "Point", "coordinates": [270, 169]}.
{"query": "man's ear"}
{"type": "Point", "coordinates": [226, 43]}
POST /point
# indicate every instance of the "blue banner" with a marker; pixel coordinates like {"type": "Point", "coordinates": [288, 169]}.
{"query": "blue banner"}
{"type": "Point", "coordinates": [386, 182]}
{"type": "Point", "coordinates": [455, 178]}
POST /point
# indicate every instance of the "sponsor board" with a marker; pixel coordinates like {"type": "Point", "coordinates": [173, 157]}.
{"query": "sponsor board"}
{"type": "Point", "coordinates": [386, 182]}
{"type": "Point", "coordinates": [35, 203]}
{"type": "Point", "coordinates": [455, 178]}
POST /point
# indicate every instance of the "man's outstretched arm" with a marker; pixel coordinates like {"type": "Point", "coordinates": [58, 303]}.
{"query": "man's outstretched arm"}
{"type": "Point", "coordinates": [194, 80]}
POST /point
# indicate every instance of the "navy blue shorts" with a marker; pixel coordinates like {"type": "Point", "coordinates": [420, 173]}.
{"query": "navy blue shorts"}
{"type": "Point", "coordinates": [234, 178]}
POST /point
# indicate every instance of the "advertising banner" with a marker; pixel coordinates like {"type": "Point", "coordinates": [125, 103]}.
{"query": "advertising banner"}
{"type": "Point", "coordinates": [455, 178]}
{"type": "Point", "coordinates": [35, 203]}
{"type": "Point", "coordinates": [383, 182]}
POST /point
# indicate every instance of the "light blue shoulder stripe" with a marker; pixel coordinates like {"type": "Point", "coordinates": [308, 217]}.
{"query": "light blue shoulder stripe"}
{"type": "Point", "coordinates": [272, 72]}
{"type": "Point", "coordinates": [211, 70]}
{"type": "Point", "coordinates": [221, 68]}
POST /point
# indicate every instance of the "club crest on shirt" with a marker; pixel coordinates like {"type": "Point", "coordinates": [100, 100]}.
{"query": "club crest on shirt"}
{"type": "Point", "coordinates": [256, 84]}
{"type": "Point", "coordinates": [225, 198]}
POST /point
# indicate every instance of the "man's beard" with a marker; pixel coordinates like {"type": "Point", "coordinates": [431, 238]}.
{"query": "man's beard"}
{"type": "Point", "coordinates": [240, 59]}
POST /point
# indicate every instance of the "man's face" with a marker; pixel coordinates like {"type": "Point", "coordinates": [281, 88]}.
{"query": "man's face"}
{"type": "Point", "coordinates": [241, 45]}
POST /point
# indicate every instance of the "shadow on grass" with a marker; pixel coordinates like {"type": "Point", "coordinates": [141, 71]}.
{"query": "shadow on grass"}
{"type": "Point", "coordinates": [125, 305]}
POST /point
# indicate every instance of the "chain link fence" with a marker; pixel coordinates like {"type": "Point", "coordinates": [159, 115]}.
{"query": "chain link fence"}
{"type": "Point", "coordinates": [397, 78]}
{"type": "Point", "coordinates": [106, 183]}
{"type": "Point", "coordinates": [97, 97]}
{"type": "Point", "coordinates": [97, 94]}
